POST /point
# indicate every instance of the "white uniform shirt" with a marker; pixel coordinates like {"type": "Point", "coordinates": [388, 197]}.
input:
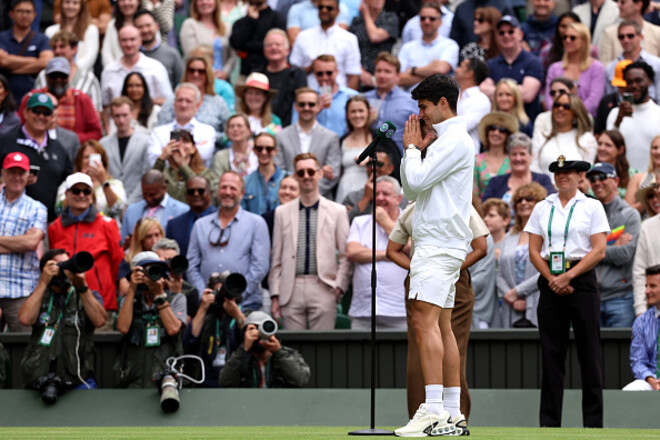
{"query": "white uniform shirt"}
{"type": "Point", "coordinates": [203, 134]}
{"type": "Point", "coordinates": [588, 219]}
{"type": "Point", "coordinates": [442, 186]}
{"type": "Point", "coordinates": [155, 74]}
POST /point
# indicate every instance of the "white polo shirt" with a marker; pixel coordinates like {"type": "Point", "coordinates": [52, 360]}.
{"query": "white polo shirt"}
{"type": "Point", "coordinates": [113, 75]}
{"type": "Point", "coordinates": [203, 134]}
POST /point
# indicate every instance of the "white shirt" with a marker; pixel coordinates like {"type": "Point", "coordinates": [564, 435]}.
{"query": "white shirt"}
{"type": "Point", "coordinates": [638, 131]}
{"type": "Point", "coordinates": [473, 105]}
{"type": "Point", "coordinates": [203, 134]}
{"type": "Point", "coordinates": [418, 53]}
{"type": "Point", "coordinates": [305, 139]}
{"type": "Point", "coordinates": [442, 186]}
{"type": "Point", "coordinates": [544, 153]}
{"type": "Point", "coordinates": [413, 29]}
{"type": "Point", "coordinates": [588, 219]}
{"type": "Point", "coordinates": [337, 42]}
{"type": "Point", "coordinates": [389, 290]}
{"type": "Point", "coordinates": [112, 78]}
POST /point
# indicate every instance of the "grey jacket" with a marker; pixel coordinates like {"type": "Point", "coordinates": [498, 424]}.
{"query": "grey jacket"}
{"type": "Point", "coordinates": [614, 272]}
{"type": "Point", "coordinates": [483, 283]}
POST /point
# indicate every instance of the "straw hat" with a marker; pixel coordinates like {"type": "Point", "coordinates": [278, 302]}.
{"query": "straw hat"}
{"type": "Point", "coordinates": [257, 81]}
{"type": "Point", "coordinates": [496, 118]}
{"type": "Point", "coordinates": [645, 188]}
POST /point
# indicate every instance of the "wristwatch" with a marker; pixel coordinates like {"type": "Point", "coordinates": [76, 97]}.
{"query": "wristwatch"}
{"type": "Point", "coordinates": [160, 299]}
{"type": "Point", "coordinates": [82, 290]}
{"type": "Point", "coordinates": [106, 184]}
{"type": "Point", "coordinates": [412, 147]}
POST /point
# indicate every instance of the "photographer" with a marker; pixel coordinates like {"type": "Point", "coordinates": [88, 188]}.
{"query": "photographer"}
{"type": "Point", "coordinates": [168, 250]}
{"type": "Point", "coordinates": [151, 319]}
{"type": "Point", "coordinates": [63, 313]}
{"type": "Point", "coordinates": [261, 361]}
{"type": "Point", "coordinates": [214, 332]}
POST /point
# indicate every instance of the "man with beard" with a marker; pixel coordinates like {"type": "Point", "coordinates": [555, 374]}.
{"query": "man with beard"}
{"type": "Point", "coordinates": [156, 49]}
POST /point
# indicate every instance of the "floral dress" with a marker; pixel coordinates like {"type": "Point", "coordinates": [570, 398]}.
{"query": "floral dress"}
{"type": "Point", "coordinates": [482, 175]}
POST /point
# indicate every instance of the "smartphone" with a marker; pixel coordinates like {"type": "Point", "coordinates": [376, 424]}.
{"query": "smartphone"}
{"type": "Point", "coordinates": [34, 170]}
{"type": "Point", "coordinates": [95, 159]}
{"type": "Point", "coordinates": [175, 135]}
{"type": "Point", "coordinates": [628, 97]}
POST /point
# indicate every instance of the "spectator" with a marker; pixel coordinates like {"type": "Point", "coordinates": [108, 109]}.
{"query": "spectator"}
{"type": "Point", "coordinates": [289, 190]}
{"type": "Point", "coordinates": [24, 51]}
{"type": "Point", "coordinates": [462, 27]}
{"type": "Point", "coordinates": [263, 363]}
{"type": "Point", "coordinates": [648, 246]}
{"type": "Point", "coordinates": [232, 10]}
{"type": "Point", "coordinates": [637, 121]}
{"type": "Point", "coordinates": [540, 26]}
{"type": "Point", "coordinates": [62, 327]}
{"type": "Point", "coordinates": [81, 227]}
{"type": "Point", "coordinates": [516, 275]}
{"type": "Point", "coordinates": [612, 150]}
{"type": "Point", "coordinates": [126, 148]}
{"type": "Point", "coordinates": [332, 97]}
{"type": "Point", "coordinates": [76, 112]}
{"type": "Point", "coordinates": [642, 179]}
{"type": "Point", "coordinates": [222, 88]}
{"type": "Point", "coordinates": [75, 18]}
{"type": "Point", "coordinates": [262, 185]}
{"type": "Point", "coordinates": [144, 111]}
{"type": "Point", "coordinates": [497, 216]}
{"type": "Point", "coordinates": [147, 309]}
{"type": "Point", "coordinates": [482, 274]}
{"type": "Point", "coordinates": [508, 99]}
{"type": "Point", "coordinates": [473, 105]}
{"type": "Point", "coordinates": [99, 10]}
{"type": "Point", "coordinates": [431, 53]}
{"type": "Point", "coordinates": [305, 284]}
{"type": "Point", "coordinates": [207, 27]}
{"type": "Point", "coordinates": [184, 162]}
{"type": "Point", "coordinates": [9, 120]}
{"type": "Point", "coordinates": [198, 197]}
{"type": "Point", "coordinates": [494, 131]}
{"type": "Point", "coordinates": [169, 57]}
{"type": "Point", "coordinates": [248, 34]}
{"type": "Point", "coordinates": [358, 138]}
{"type": "Point", "coordinates": [256, 96]}
{"type": "Point", "coordinates": [282, 76]}
{"type": "Point", "coordinates": [32, 140]}
{"type": "Point", "coordinates": [591, 74]}
{"type": "Point", "coordinates": [187, 102]}
{"type": "Point", "coordinates": [597, 15]}
{"type": "Point", "coordinates": [328, 39]}
{"type": "Point", "coordinates": [111, 51]}
{"type": "Point", "coordinates": [304, 15]}
{"type": "Point", "coordinates": [570, 135]}
{"type": "Point", "coordinates": [412, 30]}
{"type": "Point", "coordinates": [377, 31]}
{"type": "Point", "coordinates": [67, 138]}
{"type": "Point", "coordinates": [163, 12]}
{"type": "Point", "coordinates": [485, 28]}
{"type": "Point", "coordinates": [390, 304]}
{"type": "Point", "coordinates": [559, 85]}
{"type": "Point", "coordinates": [234, 240]}
{"type": "Point", "coordinates": [615, 270]}
{"type": "Point", "coordinates": [239, 156]}
{"type": "Point", "coordinates": [22, 227]}
{"type": "Point", "coordinates": [308, 136]}
{"type": "Point", "coordinates": [387, 100]}
{"type": "Point", "coordinates": [109, 192]}
{"type": "Point", "coordinates": [555, 51]}
{"type": "Point", "coordinates": [146, 233]}
{"type": "Point", "coordinates": [156, 203]}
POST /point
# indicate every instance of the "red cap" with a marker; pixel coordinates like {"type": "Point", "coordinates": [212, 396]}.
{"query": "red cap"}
{"type": "Point", "coordinates": [16, 160]}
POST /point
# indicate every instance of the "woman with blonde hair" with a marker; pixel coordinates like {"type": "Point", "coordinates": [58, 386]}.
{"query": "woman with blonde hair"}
{"type": "Point", "coordinates": [641, 180]}
{"type": "Point", "coordinates": [485, 27]}
{"type": "Point", "coordinates": [146, 233]}
{"type": "Point", "coordinates": [508, 99]}
{"type": "Point", "coordinates": [578, 65]}
{"type": "Point", "coordinates": [74, 17]}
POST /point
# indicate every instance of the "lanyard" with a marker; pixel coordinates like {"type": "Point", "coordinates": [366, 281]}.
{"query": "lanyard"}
{"type": "Point", "coordinates": [568, 221]}
{"type": "Point", "coordinates": [50, 306]}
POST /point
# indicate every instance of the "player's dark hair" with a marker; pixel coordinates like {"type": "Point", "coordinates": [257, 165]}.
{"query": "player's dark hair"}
{"type": "Point", "coordinates": [438, 86]}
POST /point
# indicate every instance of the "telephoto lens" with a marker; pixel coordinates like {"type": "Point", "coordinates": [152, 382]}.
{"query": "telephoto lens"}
{"type": "Point", "coordinates": [169, 394]}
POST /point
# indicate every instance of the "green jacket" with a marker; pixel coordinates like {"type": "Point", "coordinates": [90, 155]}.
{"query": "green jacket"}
{"type": "Point", "coordinates": [177, 188]}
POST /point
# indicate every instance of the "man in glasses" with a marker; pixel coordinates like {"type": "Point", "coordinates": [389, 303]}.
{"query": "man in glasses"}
{"type": "Point", "coordinates": [157, 49]}
{"type": "Point", "coordinates": [310, 271]}
{"type": "Point", "coordinates": [233, 239]}
{"type": "Point", "coordinates": [48, 154]}
{"type": "Point", "coordinates": [615, 270]}
{"type": "Point", "coordinates": [539, 28]}
{"type": "Point", "coordinates": [263, 184]}
{"type": "Point", "coordinates": [305, 15]}
{"type": "Point", "coordinates": [81, 227]}
{"type": "Point", "coordinates": [308, 136]}
{"type": "Point", "coordinates": [413, 29]}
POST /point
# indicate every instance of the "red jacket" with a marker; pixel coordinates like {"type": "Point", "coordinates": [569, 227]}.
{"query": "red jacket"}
{"type": "Point", "coordinates": [87, 126]}
{"type": "Point", "coordinates": [98, 235]}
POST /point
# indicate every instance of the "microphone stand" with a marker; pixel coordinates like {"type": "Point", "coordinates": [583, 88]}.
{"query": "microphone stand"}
{"type": "Point", "coordinates": [372, 430]}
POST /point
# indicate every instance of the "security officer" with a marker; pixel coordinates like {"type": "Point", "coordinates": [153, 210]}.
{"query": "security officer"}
{"type": "Point", "coordinates": [151, 319]}
{"type": "Point", "coordinates": [63, 313]}
{"type": "Point", "coordinates": [567, 239]}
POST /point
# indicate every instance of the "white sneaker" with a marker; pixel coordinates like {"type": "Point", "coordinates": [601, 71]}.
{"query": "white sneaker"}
{"type": "Point", "coordinates": [461, 425]}
{"type": "Point", "coordinates": [423, 424]}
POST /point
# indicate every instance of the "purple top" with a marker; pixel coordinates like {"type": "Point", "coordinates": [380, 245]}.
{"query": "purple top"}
{"type": "Point", "coordinates": [590, 85]}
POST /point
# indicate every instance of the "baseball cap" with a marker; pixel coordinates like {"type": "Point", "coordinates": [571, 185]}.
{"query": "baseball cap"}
{"type": "Point", "coordinates": [602, 167]}
{"type": "Point", "coordinates": [58, 65]}
{"type": "Point", "coordinates": [77, 178]}
{"type": "Point", "coordinates": [144, 258]}
{"type": "Point", "coordinates": [16, 160]}
{"type": "Point", "coordinates": [510, 20]}
{"type": "Point", "coordinates": [617, 79]}
{"type": "Point", "coordinates": [39, 100]}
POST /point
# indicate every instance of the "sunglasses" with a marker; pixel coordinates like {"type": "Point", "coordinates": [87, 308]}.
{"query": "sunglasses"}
{"type": "Point", "coordinates": [261, 148]}
{"type": "Point", "coordinates": [560, 105]}
{"type": "Point", "coordinates": [309, 171]}
{"type": "Point", "coordinates": [427, 18]}
{"type": "Point", "coordinates": [526, 199]}
{"type": "Point", "coordinates": [626, 36]}
{"type": "Point", "coordinates": [598, 178]}
{"type": "Point", "coordinates": [326, 8]}
{"type": "Point", "coordinates": [306, 104]}
{"type": "Point", "coordinates": [324, 72]}
{"type": "Point", "coordinates": [569, 37]}
{"type": "Point", "coordinates": [651, 195]}
{"type": "Point", "coordinates": [510, 32]}
{"type": "Point", "coordinates": [197, 71]}
{"type": "Point", "coordinates": [558, 92]}
{"type": "Point", "coordinates": [219, 242]}
{"type": "Point", "coordinates": [479, 19]}
{"type": "Point", "coordinates": [77, 191]}
{"type": "Point", "coordinates": [192, 191]}
{"type": "Point", "coordinates": [499, 128]}
{"type": "Point", "coordinates": [42, 111]}
{"type": "Point", "coordinates": [58, 76]}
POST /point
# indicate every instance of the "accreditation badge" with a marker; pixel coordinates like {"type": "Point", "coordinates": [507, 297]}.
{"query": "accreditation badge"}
{"type": "Point", "coordinates": [557, 265]}
{"type": "Point", "coordinates": [220, 357]}
{"type": "Point", "coordinates": [153, 336]}
{"type": "Point", "coordinates": [47, 336]}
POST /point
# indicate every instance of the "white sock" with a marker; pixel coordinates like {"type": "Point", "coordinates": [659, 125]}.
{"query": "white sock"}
{"type": "Point", "coordinates": [452, 400]}
{"type": "Point", "coordinates": [434, 399]}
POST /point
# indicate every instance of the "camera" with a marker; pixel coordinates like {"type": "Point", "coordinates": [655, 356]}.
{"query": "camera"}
{"type": "Point", "coordinates": [178, 265]}
{"type": "Point", "coordinates": [51, 386]}
{"type": "Point", "coordinates": [266, 326]}
{"type": "Point", "coordinates": [155, 271]}
{"type": "Point", "coordinates": [233, 285]}
{"type": "Point", "coordinates": [78, 263]}
{"type": "Point", "coordinates": [167, 381]}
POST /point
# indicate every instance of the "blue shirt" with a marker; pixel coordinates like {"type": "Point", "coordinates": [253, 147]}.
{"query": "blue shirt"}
{"type": "Point", "coordinates": [526, 64]}
{"type": "Point", "coordinates": [19, 272]}
{"type": "Point", "coordinates": [539, 34]}
{"type": "Point", "coordinates": [261, 196]}
{"type": "Point", "coordinates": [22, 84]}
{"type": "Point", "coordinates": [333, 118]}
{"type": "Point", "coordinates": [247, 251]}
{"type": "Point", "coordinates": [179, 228]}
{"type": "Point", "coordinates": [396, 107]}
{"type": "Point", "coordinates": [644, 345]}
{"type": "Point", "coordinates": [170, 208]}
{"type": "Point", "coordinates": [305, 15]}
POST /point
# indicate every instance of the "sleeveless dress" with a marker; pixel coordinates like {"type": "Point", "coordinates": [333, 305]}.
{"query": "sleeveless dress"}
{"type": "Point", "coordinates": [354, 177]}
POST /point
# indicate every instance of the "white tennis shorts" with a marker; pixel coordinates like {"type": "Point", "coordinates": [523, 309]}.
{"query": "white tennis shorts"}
{"type": "Point", "coordinates": [433, 276]}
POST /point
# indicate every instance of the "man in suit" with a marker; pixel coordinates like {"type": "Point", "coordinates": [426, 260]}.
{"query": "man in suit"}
{"type": "Point", "coordinates": [604, 12]}
{"type": "Point", "coordinates": [127, 148]}
{"type": "Point", "coordinates": [308, 136]}
{"type": "Point", "coordinates": [309, 269]}
{"type": "Point", "coordinates": [610, 47]}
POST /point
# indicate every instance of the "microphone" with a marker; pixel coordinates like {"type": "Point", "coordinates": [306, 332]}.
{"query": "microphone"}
{"type": "Point", "coordinates": [385, 131]}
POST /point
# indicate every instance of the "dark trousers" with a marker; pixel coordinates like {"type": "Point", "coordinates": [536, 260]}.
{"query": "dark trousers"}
{"type": "Point", "coordinates": [556, 314]}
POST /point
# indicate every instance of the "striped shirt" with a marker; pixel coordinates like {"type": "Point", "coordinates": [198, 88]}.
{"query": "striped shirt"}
{"type": "Point", "coordinates": [306, 253]}
{"type": "Point", "coordinates": [644, 345]}
{"type": "Point", "coordinates": [19, 272]}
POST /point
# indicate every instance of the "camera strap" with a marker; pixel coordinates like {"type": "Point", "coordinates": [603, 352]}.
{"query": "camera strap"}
{"type": "Point", "coordinates": [49, 331]}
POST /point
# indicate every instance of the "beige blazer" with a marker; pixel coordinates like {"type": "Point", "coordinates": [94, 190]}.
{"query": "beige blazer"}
{"type": "Point", "coordinates": [608, 15]}
{"type": "Point", "coordinates": [332, 229]}
{"type": "Point", "coordinates": [610, 48]}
